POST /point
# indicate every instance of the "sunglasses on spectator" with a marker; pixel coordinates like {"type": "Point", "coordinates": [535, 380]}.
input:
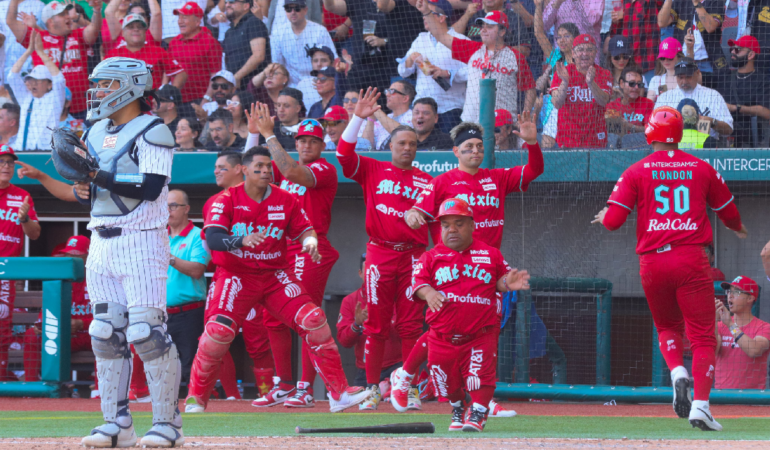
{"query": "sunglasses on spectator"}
{"type": "Point", "coordinates": [634, 84]}
{"type": "Point", "coordinates": [223, 86]}
{"type": "Point", "coordinates": [393, 91]}
{"type": "Point", "coordinates": [233, 103]}
{"type": "Point", "coordinates": [665, 59]}
{"type": "Point", "coordinates": [498, 129]}
{"type": "Point", "coordinates": [737, 49]}
{"type": "Point", "coordinates": [289, 9]}
{"type": "Point", "coordinates": [321, 79]}
{"type": "Point", "coordinates": [174, 206]}
{"type": "Point", "coordinates": [620, 57]}
{"type": "Point", "coordinates": [436, 13]}
{"type": "Point", "coordinates": [330, 123]}
{"type": "Point", "coordinates": [350, 100]}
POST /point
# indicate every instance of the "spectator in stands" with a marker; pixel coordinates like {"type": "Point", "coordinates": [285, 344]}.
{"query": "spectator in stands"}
{"type": "Point", "coordinates": [168, 100]}
{"type": "Point", "coordinates": [9, 123]}
{"type": "Point", "coordinates": [618, 57]}
{"type": "Point", "coordinates": [267, 86]}
{"type": "Point", "coordinates": [320, 57]}
{"type": "Point", "coordinates": [669, 55]}
{"type": "Point", "coordinates": [80, 313]}
{"type": "Point", "coordinates": [711, 103]}
{"type": "Point", "coordinates": [743, 340]}
{"type": "Point", "coordinates": [424, 120]}
{"type": "Point", "coordinates": [399, 100]}
{"type": "Point", "coordinates": [246, 46]}
{"type": "Point", "coordinates": [350, 100]}
{"type": "Point", "coordinates": [217, 19]}
{"type": "Point", "coordinates": [748, 92]}
{"type": "Point", "coordinates": [187, 132]}
{"type": "Point", "coordinates": [334, 122]}
{"type": "Point", "coordinates": [692, 137]}
{"type": "Point", "coordinates": [757, 15]}
{"type": "Point", "coordinates": [164, 67]}
{"type": "Point", "coordinates": [221, 129]}
{"type": "Point", "coordinates": [197, 52]}
{"type": "Point", "coordinates": [117, 10]}
{"type": "Point", "coordinates": [504, 137]}
{"type": "Point", "coordinates": [14, 50]}
{"type": "Point", "coordinates": [18, 204]}
{"type": "Point", "coordinates": [289, 111]}
{"type": "Point", "coordinates": [714, 272]}
{"type": "Point", "coordinates": [275, 17]}
{"type": "Point", "coordinates": [171, 27]}
{"type": "Point", "coordinates": [439, 76]}
{"type": "Point", "coordinates": [289, 42]}
{"type": "Point", "coordinates": [585, 14]}
{"type": "Point", "coordinates": [73, 62]}
{"type": "Point", "coordinates": [632, 111]}
{"type": "Point", "coordinates": [500, 64]}
{"type": "Point", "coordinates": [518, 35]}
{"type": "Point", "coordinates": [704, 44]}
{"type": "Point", "coordinates": [350, 333]}
{"type": "Point", "coordinates": [242, 100]}
{"type": "Point", "coordinates": [326, 87]}
{"type": "Point", "coordinates": [638, 21]}
{"type": "Point", "coordinates": [41, 92]}
{"type": "Point", "coordinates": [581, 92]}
{"type": "Point", "coordinates": [66, 120]}
{"type": "Point", "coordinates": [221, 89]}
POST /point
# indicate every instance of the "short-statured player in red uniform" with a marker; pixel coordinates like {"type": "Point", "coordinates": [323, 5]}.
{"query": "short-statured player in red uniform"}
{"type": "Point", "coordinates": [671, 190]}
{"type": "Point", "coordinates": [313, 182]}
{"type": "Point", "coordinates": [459, 280]}
{"type": "Point", "coordinates": [390, 190]}
{"type": "Point", "coordinates": [246, 231]}
{"type": "Point", "coordinates": [485, 191]}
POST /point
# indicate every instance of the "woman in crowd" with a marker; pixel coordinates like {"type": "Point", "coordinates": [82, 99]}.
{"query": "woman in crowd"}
{"type": "Point", "coordinates": [186, 136]}
{"type": "Point", "coordinates": [669, 54]}
{"type": "Point", "coordinates": [620, 55]}
{"type": "Point", "coordinates": [267, 85]}
{"type": "Point", "coordinates": [240, 100]}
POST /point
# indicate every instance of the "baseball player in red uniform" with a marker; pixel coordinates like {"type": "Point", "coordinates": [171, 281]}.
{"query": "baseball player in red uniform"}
{"type": "Point", "coordinates": [17, 219]}
{"type": "Point", "coordinates": [459, 279]}
{"type": "Point", "coordinates": [246, 231]}
{"type": "Point", "coordinates": [485, 191]}
{"type": "Point", "coordinates": [390, 190]}
{"type": "Point", "coordinates": [313, 182]}
{"type": "Point", "coordinates": [672, 190]}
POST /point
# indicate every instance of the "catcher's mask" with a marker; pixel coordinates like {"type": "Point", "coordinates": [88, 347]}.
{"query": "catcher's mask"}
{"type": "Point", "coordinates": [129, 80]}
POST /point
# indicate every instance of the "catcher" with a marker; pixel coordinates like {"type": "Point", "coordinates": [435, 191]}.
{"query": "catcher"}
{"type": "Point", "coordinates": [122, 172]}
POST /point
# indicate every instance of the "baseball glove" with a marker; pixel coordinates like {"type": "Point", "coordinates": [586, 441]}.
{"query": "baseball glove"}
{"type": "Point", "coordinates": [71, 157]}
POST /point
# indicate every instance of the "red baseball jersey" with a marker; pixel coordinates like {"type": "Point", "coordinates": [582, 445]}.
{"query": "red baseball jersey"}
{"type": "Point", "coordinates": [485, 192]}
{"type": "Point", "coordinates": [278, 216]}
{"type": "Point", "coordinates": [671, 190]}
{"type": "Point", "coordinates": [158, 60]}
{"type": "Point", "coordinates": [201, 56]}
{"type": "Point", "coordinates": [75, 68]}
{"type": "Point", "coordinates": [468, 280]}
{"type": "Point", "coordinates": [581, 118]}
{"type": "Point", "coordinates": [11, 231]}
{"type": "Point", "coordinates": [389, 192]}
{"type": "Point", "coordinates": [316, 201]}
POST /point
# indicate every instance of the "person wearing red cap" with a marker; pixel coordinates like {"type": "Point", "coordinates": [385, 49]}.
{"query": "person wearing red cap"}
{"type": "Point", "coordinates": [673, 189]}
{"type": "Point", "coordinates": [459, 280]}
{"type": "Point", "coordinates": [743, 340]}
{"type": "Point", "coordinates": [196, 50]}
{"type": "Point", "coordinates": [18, 219]}
{"type": "Point", "coordinates": [116, 11]}
{"type": "Point", "coordinates": [580, 92]}
{"type": "Point", "coordinates": [748, 90]}
{"type": "Point", "coordinates": [334, 121]}
{"type": "Point", "coordinates": [313, 182]}
{"type": "Point", "coordinates": [504, 137]}
{"type": "Point", "coordinates": [518, 36]}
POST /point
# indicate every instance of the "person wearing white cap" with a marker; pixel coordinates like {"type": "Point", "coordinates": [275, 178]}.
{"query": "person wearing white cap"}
{"type": "Point", "coordinates": [41, 92]}
{"type": "Point", "coordinates": [221, 90]}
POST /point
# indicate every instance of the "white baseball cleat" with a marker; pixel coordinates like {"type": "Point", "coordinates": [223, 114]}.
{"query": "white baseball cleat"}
{"type": "Point", "coordinates": [399, 391]}
{"type": "Point", "coordinates": [276, 396]}
{"type": "Point", "coordinates": [352, 396]}
{"type": "Point", "coordinates": [163, 435]}
{"type": "Point", "coordinates": [700, 417]}
{"type": "Point", "coordinates": [110, 435]}
{"type": "Point", "coordinates": [495, 410]}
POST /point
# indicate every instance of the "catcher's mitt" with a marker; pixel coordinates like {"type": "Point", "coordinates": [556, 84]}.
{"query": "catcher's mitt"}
{"type": "Point", "coordinates": [71, 157]}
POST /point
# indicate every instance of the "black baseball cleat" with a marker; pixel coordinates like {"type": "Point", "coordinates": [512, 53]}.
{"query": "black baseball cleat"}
{"type": "Point", "coordinates": [682, 398]}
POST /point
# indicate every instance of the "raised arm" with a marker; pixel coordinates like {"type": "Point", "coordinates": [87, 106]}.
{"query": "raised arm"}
{"type": "Point", "coordinates": [664, 15]}
{"type": "Point", "coordinates": [113, 22]}
{"type": "Point", "coordinates": [559, 96]}
{"type": "Point", "coordinates": [156, 20]}
{"type": "Point", "coordinates": [18, 27]}
{"type": "Point", "coordinates": [462, 23]}
{"type": "Point", "coordinates": [528, 132]}
{"type": "Point", "coordinates": [92, 31]}
{"type": "Point", "coordinates": [366, 106]}
{"type": "Point", "coordinates": [36, 41]}
{"type": "Point", "coordinates": [339, 7]}
{"type": "Point", "coordinates": [441, 35]}
{"type": "Point", "coordinates": [542, 39]}
{"type": "Point", "coordinates": [602, 97]}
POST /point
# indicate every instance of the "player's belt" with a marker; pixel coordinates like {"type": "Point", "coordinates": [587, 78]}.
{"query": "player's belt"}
{"type": "Point", "coordinates": [111, 232]}
{"type": "Point", "coordinates": [459, 339]}
{"type": "Point", "coordinates": [664, 249]}
{"type": "Point", "coordinates": [185, 307]}
{"type": "Point", "coordinates": [397, 246]}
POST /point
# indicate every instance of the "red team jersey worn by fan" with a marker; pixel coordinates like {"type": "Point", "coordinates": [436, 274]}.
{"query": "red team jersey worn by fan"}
{"type": "Point", "coordinates": [671, 190]}
{"type": "Point", "coordinates": [158, 60]}
{"type": "Point", "coordinates": [11, 231]}
{"type": "Point", "coordinates": [581, 118]}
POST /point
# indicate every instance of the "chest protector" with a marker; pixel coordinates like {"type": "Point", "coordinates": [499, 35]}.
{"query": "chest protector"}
{"type": "Point", "coordinates": [116, 152]}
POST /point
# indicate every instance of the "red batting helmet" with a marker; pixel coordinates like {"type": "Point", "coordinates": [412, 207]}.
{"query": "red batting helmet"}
{"type": "Point", "coordinates": [665, 125]}
{"type": "Point", "coordinates": [454, 207]}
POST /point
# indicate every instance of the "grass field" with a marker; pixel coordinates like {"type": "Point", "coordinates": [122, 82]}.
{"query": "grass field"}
{"type": "Point", "coordinates": [37, 424]}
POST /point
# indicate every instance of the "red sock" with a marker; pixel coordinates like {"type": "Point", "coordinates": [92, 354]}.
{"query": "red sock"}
{"type": "Point", "coordinates": [374, 352]}
{"type": "Point", "coordinates": [417, 356]}
{"type": "Point", "coordinates": [670, 344]}
{"type": "Point", "coordinates": [280, 343]}
{"type": "Point", "coordinates": [308, 370]}
{"type": "Point", "coordinates": [138, 379]}
{"type": "Point", "coordinates": [406, 347]}
{"type": "Point", "coordinates": [227, 376]}
{"type": "Point", "coordinates": [703, 360]}
{"type": "Point", "coordinates": [483, 395]}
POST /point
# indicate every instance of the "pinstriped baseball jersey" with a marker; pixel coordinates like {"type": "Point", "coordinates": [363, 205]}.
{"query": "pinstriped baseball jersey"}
{"type": "Point", "coordinates": [148, 215]}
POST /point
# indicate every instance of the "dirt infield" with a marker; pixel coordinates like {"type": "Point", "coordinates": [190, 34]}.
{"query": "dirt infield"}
{"type": "Point", "coordinates": [313, 443]}
{"type": "Point", "coordinates": [524, 408]}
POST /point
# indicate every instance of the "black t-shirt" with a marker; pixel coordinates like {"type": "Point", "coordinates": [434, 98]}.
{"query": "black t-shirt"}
{"type": "Point", "coordinates": [358, 11]}
{"type": "Point", "coordinates": [759, 22]}
{"type": "Point", "coordinates": [684, 12]}
{"type": "Point", "coordinates": [284, 136]}
{"type": "Point", "coordinates": [404, 24]}
{"type": "Point", "coordinates": [237, 47]}
{"type": "Point", "coordinates": [436, 140]}
{"type": "Point", "coordinates": [518, 33]}
{"type": "Point", "coordinates": [749, 91]}
{"type": "Point", "coordinates": [238, 144]}
{"type": "Point", "coordinates": [172, 125]}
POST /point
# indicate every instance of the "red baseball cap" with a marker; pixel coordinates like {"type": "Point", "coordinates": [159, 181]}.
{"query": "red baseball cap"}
{"type": "Point", "coordinates": [583, 39]}
{"type": "Point", "coordinates": [189, 9]}
{"type": "Point", "coordinates": [454, 207]}
{"type": "Point", "coordinates": [335, 112]}
{"type": "Point", "coordinates": [76, 245]}
{"type": "Point", "coordinates": [743, 283]}
{"type": "Point", "coordinates": [6, 149]}
{"type": "Point", "coordinates": [310, 127]}
{"type": "Point", "coordinates": [494, 18]}
{"type": "Point", "coordinates": [749, 42]}
{"type": "Point", "coordinates": [503, 117]}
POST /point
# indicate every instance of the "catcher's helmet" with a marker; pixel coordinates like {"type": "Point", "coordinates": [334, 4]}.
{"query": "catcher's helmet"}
{"type": "Point", "coordinates": [454, 207]}
{"type": "Point", "coordinates": [135, 81]}
{"type": "Point", "coordinates": [665, 125]}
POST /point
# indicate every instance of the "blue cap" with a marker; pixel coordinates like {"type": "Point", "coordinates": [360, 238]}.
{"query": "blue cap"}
{"type": "Point", "coordinates": [445, 6]}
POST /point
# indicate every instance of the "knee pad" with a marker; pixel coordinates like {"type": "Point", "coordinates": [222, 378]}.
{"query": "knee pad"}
{"type": "Point", "coordinates": [147, 333]}
{"type": "Point", "coordinates": [312, 319]}
{"type": "Point", "coordinates": [219, 333]}
{"type": "Point", "coordinates": [108, 331]}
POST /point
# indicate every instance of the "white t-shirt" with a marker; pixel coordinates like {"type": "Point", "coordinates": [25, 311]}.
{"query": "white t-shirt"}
{"type": "Point", "coordinates": [290, 49]}
{"type": "Point", "coordinates": [710, 102]}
